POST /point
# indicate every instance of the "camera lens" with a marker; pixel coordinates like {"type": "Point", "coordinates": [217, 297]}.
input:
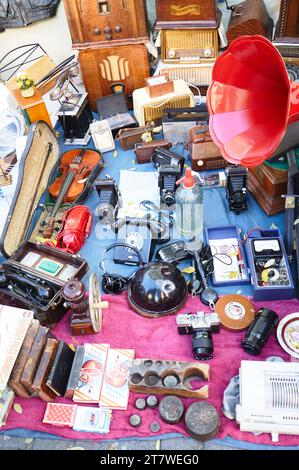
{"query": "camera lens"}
{"type": "Point", "coordinates": [168, 198]}
{"type": "Point", "coordinates": [259, 331]}
{"type": "Point", "coordinates": [202, 345]}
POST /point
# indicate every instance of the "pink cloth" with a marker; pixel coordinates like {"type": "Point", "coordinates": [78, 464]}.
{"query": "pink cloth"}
{"type": "Point", "coordinates": [158, 339]}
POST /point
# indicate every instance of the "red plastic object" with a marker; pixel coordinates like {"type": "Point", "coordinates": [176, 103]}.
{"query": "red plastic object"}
{"type": "Point", "coordinates": [187, 180]}
{"type": "Point", "coordinates": [251, 101]}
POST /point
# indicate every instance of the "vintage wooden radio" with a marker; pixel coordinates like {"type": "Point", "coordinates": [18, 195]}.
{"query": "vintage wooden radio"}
{"type": "Point", "coordinates": [106, 21]}
{"type": "Point", "coordinates": [189, 47]}
{"type": "Point", "coordinates": [184, 14]}
{"type": "Point", "coordinates": [205, 155]}
{"type": "Point", "coordinates": [199, 75]}
{"type": "Point", "coordinates": [102, 68]}
{"type": "Point", "coordinates": [287, 30]}
{"type": "Point", "coordinates": [147, 109]}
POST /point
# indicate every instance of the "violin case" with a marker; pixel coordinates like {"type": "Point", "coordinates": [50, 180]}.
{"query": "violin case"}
{"type": "Point", "coordinates": [38, 168]}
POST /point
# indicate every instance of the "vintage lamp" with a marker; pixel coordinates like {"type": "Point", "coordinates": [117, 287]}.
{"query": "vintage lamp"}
{"type": "Point", "coordinates": [252, 102]}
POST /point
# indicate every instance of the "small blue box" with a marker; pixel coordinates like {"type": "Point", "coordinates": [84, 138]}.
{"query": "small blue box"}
{"type": "Point", "coordinates": [269, 267]}
{"type": "Point", "coordinates": [221, 241]}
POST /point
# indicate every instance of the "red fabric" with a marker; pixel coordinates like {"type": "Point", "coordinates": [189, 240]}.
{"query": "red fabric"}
{"type": "Point", "coordinates": [158, 339]}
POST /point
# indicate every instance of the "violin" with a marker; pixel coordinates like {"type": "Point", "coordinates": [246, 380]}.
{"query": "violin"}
{"type": "Point", "coordinates": [75, 167]}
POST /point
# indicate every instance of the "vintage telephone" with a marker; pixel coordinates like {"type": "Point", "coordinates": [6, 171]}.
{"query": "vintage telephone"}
{"type": "Point", "coordinates": [30, 288]}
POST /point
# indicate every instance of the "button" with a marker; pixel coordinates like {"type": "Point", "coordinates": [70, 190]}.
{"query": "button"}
{"type": "Point", "coordinates": [108, 37]}
{"type": "Point", "coordinates": [97, 31]}
{"type": "Point", "coordinates": [107, 30]}
{"type": "Point", "coordinates": [117, 29]}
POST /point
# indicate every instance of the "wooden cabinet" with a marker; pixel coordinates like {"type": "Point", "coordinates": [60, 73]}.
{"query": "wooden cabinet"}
{"type": "Point", "coordinates": [106, 21]}
{"type": "Point", "coordinates": [288, 22]}
{"type": "Point", "coordinates": [102, 67]}
{"type": "Point", "coordinates": [187, 13]}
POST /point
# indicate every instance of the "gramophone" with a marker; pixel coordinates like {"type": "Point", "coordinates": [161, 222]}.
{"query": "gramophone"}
{"type": "Point", "coordinates": [74, 113]}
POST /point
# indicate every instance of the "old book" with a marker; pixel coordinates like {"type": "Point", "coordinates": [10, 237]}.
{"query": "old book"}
{"type": "Point", "coordinates": [75, 372]}
{"type": "Point", "coordinates": [32, 362]}
{"type": "Point", "coordinates": [92, 372]}
{"type": "Point", "coordinates": [61, 368]}
{"type": "Point", "coordinates": [14, 323]}
{"type": "Point", "coordinates": [115, 389]}
{"type": "Point", "coordinates": [42, 373]}
{"type": "Point", "coordinates": [15, 376]}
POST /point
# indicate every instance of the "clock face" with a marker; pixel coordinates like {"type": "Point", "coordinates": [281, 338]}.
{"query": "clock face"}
{"type": "Point", "coordinates": [95, 308]}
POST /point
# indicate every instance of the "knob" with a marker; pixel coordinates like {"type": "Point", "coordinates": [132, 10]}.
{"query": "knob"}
{"type": "Point", "coordinates": [208, 52]}
{"type": "Point", "coordinates": [97, 31]}
{"type": "Point", "coordinates": [108, 37]}
{"type": "Point", "coordinates": [117, 29]}
{"type": "Point", "coordinates": [171, 53]}
{"type": "Point", "coordinates": [107, 30]}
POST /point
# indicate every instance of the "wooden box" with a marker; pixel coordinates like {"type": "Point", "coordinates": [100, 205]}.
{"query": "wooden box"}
{"type": "Point", "coordinates": [159, 85]}
{"type": "Point", "coordinates": [267, 185]}
{"type": "Point", "coordinates": [105, 67]}
{"type": "Point", "coordinates": [187, 14]}
{"type": "Point", "coordinates": [110, 22]}
{"type": "Point", "coordinates": [205, 155]}
{"type": "Point", "coordinates": [249, 18]}
{"type": "Point", "coordinates": [288, 22]}
{"type": "Point", "coordinates": [129, 137]}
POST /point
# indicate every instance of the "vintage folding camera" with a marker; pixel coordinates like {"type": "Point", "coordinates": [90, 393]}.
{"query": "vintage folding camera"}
{"type": "Point", "coordinates": [176, 123]}
{"type": "Point", "coordinates": [163, 156]}
{"type": "Point", "coordinates": [168, 176]}
{"type": "Point", "coordinates": [109, 196]}
{"type": "Point", "coordinates": [201, 325]}
{"type": "Point", "coordinates": [269, 267]}
{"type": "Point", "coordinates": [236, 190]}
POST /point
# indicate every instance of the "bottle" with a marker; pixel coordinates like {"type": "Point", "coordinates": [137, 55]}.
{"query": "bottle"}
{"type": "Point", "coordinates": [189, 207]}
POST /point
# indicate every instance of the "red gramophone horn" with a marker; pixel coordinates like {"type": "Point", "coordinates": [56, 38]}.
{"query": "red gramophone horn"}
{"type": "Point", "coordinates": [251, 101]}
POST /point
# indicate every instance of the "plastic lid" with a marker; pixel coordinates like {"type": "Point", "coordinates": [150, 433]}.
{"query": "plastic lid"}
{"type": "Point", "coordinates": [187, 180]}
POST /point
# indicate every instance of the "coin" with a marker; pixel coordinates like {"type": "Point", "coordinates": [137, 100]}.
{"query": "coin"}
{"type": "Point", "coordinates": [155, 426]}
{"type": "Point", "coordinates": [171, 409]}
{"type": "Point", "coordinates": [152, 401]}
{"type": "Point", "coordinates": [135, 420]}
{"type": "Point", "coordinates": [202, 420]}
{"type": "Point", "coordinates": [140, 404]}
{"type": "Point", "coordinates": [170, 381]}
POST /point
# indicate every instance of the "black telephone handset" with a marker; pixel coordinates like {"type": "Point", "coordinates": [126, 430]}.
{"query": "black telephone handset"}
{"type": "Point", "coordinates": [24, 284]}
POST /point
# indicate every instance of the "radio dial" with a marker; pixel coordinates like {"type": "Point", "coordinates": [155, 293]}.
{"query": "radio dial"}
{"type": "Point", "coordinates": [171, 53]}
{"type": "Point", "coordinates": [208, 52]}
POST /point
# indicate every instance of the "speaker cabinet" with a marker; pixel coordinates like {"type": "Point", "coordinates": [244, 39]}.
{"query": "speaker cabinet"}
{"type": "Point", "coordinates": [104, 67]}
{"type": "Point", "coordinates": [106, 21]}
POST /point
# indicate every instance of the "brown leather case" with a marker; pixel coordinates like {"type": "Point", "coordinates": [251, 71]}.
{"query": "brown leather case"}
{"type": "Point", "coordinates": [32, 362]}
{"type": "Point", "coordinates": [15, 376]}
{"type": "Point", "coordinates": [249, 18]}
{"type": "Point", "coordinates": [270, 204]}
{"type": "Point", "coordinates": [43, 370]}
{"type": "Point", "coordinates": [145, 150]}
{"type": "Point", "coordinates": [205, 155]}
{"type": "Point", "coordinates": [131, 136]}
{"type": "Point", "coordinates": [159, 89]}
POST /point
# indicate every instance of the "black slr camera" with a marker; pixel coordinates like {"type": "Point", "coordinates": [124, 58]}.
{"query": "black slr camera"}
{"type": "Point", "coordinates": [201, 325]}
{"type": "Point", "coordinates": [168, 176]}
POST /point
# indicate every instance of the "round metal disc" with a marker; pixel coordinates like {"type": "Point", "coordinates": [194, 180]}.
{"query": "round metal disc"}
{"type": "Point", "coordinates": [155, 426]}
{"type": "Point", "coordinates": [135, 420]}
{"type": "Point", "coordinates": [140, 404]}
{"type": "Point", "coordinates": [171, 409]}
{"type": "Point", "coordinates": [95, 308]}
{"type": "Point", "coordinates": [202, 420]}
{"type": "Point", "coordinates": [170, 381]}
{"type": "Point", "coordinates": [152, 401]}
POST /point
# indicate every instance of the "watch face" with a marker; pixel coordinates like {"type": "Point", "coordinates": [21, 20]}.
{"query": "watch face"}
{"type": "Point", "coordinates": [94, 303]}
